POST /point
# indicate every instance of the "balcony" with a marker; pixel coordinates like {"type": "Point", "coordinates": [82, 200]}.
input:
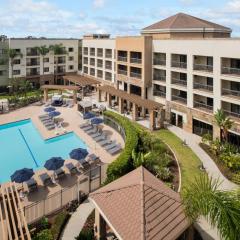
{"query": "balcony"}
{"type": "Point", "coordinates": [85, 52]}
{"type": "Point", "coordinates": [100, 52]}
{"type": "Point", "coordinates": [136, 60]}
{"type": "Point", "coordinates": [33, 73]}
{"type": "Point", "coordinates": [160, 78]}
{"type": "Point", "coordinates": [92, 63]}
{"type": "Point", "coordinates": [229, 92]}
{"type": "Point", "coordinates": [179, 99]}
{"type": "Point", "coordinates": [229, 70]}
{"type": "Point", "coordinates": [122, 72]}
{"type": "Point", "coordinates": [202, 86]}
{"type": "Point", "coordinates": [203, 106]}
{"type": "Point", "coordinates": [99, 65]}
{"type": "Point", "coordinates": [32, 52]}
{"type": "Point", "coordinates": [232, 114]}
{"type": "Point", "coordinates": [122, 59]}
{"type": "Point", "coordinates": [179, 81]}
{"type": "Point", "coordinates": [108, 76]}
{"type": "Point", "coordinates": [160, 62]}
{"type": "Point", "coordinates": [203, 67]}
{"type": "Point", "coordinates": [109, 66]}
{"type": "Point", "coordinates": [61, 61]}
{"type": "Point", "coordinates": [108, 55]}
{"type": "Point", "coordinates": [135, 75]}
{"type": "Point", "coordinates": [158, 93]}
{"type": "Point", "coordinates": [33, 63]}
{"type": "Point", "coordinates": [177, 64]}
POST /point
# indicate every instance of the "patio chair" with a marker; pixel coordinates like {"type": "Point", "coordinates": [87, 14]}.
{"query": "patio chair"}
{"type": "Point", "coordinates": [88, 128]}
{"type": "Point", "coordinates": [92, 158]}
{"type": "Point", "coordinates": [50, 127]}
{"type": "Point", "coordinates": [31, 185]}
{"type": "Point", "coordinates": [91, 131]}
{"type": "Point", "coordinates": [100, 138]}
{"type": "Point", "coordinates": [59, 174]}
{"type": "Point", "coordinates": [105, 142]}
{"type": "Point", "coordinates": [43, 116]}
{"type": "Point", "coordinates": [45, 179]}
{"type": "Point", "coordinates": [46, 120]}
{"type": "Point", "coordinates": [110, 146]}
{"type": "Point", "coordinates": [72, 169]}
{"type": "Point", "coordinates": [97, 134]}
{"type": "Point", "coordinates": [115, 150]}
{"type": "Point", "coordinates": [49, 124]}
{"type": "Point", "coordinates": [84, 125]}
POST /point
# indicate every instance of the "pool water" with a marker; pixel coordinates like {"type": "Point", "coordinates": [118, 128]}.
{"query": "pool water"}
{"type": "Point", "coordinates": [21, 145]}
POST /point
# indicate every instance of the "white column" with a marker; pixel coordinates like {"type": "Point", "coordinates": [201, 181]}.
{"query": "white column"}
{"type": "Point", "coordinates": [217, 84]}
{"type": "Point", "coordinates": [168, 76]}
{"type": "Point", "coordinates": [190, 81]}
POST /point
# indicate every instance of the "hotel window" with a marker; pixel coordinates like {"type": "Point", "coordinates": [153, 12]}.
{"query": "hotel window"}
{"type": "Point", "coordinates": [85, 70]}
{"type": "Point", "coordinates": [46, 60]}
{"type": "Point", "coordinates": [16, 72]}
{"type": "Point", "coordinates": [71, 49]}
{"type": "Point", "coordinates": [85, 50]}
{"type": "Point", "coordinates": [2, 72]}
{"type": "Point", "coordinates": [71, 58]}
{"type": "Point", "coordinates": [46, 69]}
{"type": "Point", "coordinates": [70, 67]}
{"type": "Point", "coordinates": [92, 71]}
{"type": "Point", "coordinates": [100, 74]}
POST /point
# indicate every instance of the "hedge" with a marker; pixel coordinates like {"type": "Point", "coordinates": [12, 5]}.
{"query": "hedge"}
{"type": "Point", "coordinates": [123, 164]}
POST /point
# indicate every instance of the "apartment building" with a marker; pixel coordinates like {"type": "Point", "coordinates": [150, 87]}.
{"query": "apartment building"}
{"type": "Point", "coordinates": [3, 62]}
{"type": "Point", "coordinates": [190, 65]}
{"type": "Point", "coordinates": [31, 65]}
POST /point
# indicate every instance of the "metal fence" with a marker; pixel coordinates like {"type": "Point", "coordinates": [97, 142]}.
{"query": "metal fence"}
{"type": "Point", "coordinates": [88, 182]}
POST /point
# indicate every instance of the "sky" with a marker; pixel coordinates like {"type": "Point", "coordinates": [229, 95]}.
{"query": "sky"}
{"type": "Point", "coordinates": [74, 18]}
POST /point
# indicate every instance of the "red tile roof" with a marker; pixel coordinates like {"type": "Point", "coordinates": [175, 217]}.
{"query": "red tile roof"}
{"type": "Point", "coordinates": [140, 206]}
{"type": "Point", "coordinates": [185, 21]}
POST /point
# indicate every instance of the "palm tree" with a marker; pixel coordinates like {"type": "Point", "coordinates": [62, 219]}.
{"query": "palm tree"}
{"type": "Point", "coordinates": [57, 49]}
{"type": "Point", "coordinates": [223, 122]}
{"type": "Point", "coordinates": [43, 51]}
{"type": "Point", "coordinates": [12, 54]}
{"type": "Point", "coordinates": [221, 208]}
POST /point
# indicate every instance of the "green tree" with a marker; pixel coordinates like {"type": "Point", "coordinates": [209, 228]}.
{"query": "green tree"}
{"type": "Point", "coordinates": [57, 49]}
{"type": "Point", "coordinates": [24, 87]}
{"type": "Point", "coordinates": [223, 122]}
{"type": "Point", "coordinates": [221, 208]}
{"type": "Point", "coordinates": [43, 51]}
{"type": "Point", "coordinates": [12, 54]}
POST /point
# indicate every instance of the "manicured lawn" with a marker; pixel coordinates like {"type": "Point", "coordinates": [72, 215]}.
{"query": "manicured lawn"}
{"type": "Point", "coordinates": [189, 162]}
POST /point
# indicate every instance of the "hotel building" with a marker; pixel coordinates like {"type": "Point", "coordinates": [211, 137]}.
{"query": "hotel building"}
{"type": "Point", "coordinates": [30, 65]}
{"type": "Point", "coordinates": [189, 65]}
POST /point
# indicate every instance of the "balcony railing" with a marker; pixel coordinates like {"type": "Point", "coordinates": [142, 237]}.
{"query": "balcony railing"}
{"type": "Point", "coordinates": [34, 73]}
{"type": "Point", "coordinates": [232, 114]}
{"type": "Point", "coordinates": [159, 78]}
{"type": "Point", "coordinates": [179, 81]}
{"type": "Point", "coordinates": [159, 93]}
{"type": "Point", "coordinates": [179, 99]}
{"type": "Point", "coordinates": [32, 53]}
{"type": "Point", "coordinates": [92, 53]}
{"type": "Point", "coordinates": [203, 67]}
{"type": "Point", "coordinates": [109, 67]}
{"type": "Point", "coordinates": [92, 63]}
{"type": "Point", "coordinates": [85, 62]}
{"type": "Point", "coordinates": [203, 106]}
{"type": "Point", "coordinates": [136, 60]}
{"type": "Point", "coordinates": [108, 55]}
{"type": "Point", "coordinates": [122, 72]}
{"type": "Point", "coordinates": [85, 52]}
{"type": "Point", "coordinates": [33, 63]}
{"type": "Point", "coordinates": [161, 62]}
{"type": "Point", "coordinates": [203, 86]}
{"type": "Point", "coordinates": [226, 91]}
{"type": "Point", "coordinates": [100, 54]}
{"type": "Point", "coordinates": [135, 75]}
{"type": "Point", "coordinates": [99, 75]}
{"type": "Point", "coordinates": [177, 64]}
{"type": "Point", "coordinates": [99, 65]}
{"type": "Point", "coordinates": [109, 78]}
{"type": "Point", "coordinates": [122, 59]}
{"type": "Point", "coordinates": [229, 70]}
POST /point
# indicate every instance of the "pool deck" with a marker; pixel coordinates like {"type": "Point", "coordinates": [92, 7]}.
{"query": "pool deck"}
{"type": "Point", "coordinates": [71, 122]}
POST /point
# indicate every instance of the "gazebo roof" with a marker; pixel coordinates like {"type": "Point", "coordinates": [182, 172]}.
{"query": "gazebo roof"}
{"type": "Point", "coordinates": [133, 98]}
{"type": "Point", "coordinates": [60, 87]}
{"type": "Point", "coordinates": [81, 80]}
{"type": "Point", "coordinates": [140, 206]}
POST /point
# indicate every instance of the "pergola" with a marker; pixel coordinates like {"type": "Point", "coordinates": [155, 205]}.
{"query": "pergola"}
{"type": "Point", "coordinates": [61, 88]}
{"type": "Point", "coordinates": [13, 224]}
{"type": "Point", "coordinates": [136, 100]}
{"type": "Point", "coordinates": [80, 80]}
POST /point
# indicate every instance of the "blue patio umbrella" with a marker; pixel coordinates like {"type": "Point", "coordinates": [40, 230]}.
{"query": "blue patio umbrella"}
{"type": "Point", "coordinates": [54, 114]}
{"type": "Point", "coordinates": [96, 121]}
{"type": "Point", "coordinates": [49, 109]}
{"type": "Point", "coordinates": [88, 115]}
{"type": "Point", "coordinates": [54, 163]}
{"type": "Point", "coordinates": [78, 153]}
{"type": "Point", "coordinates": [22, 175]}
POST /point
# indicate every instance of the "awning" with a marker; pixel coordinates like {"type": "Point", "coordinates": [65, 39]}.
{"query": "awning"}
{"type": "Point", "coordinates": [85, 104]}
{"type": "Point", "coordinates": [146, 103]}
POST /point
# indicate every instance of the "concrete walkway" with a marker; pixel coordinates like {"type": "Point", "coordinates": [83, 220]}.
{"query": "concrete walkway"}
{"type": "Point", "coordinates": [207, 232]}
{"type": "Point", "coordinates": [77, 220]}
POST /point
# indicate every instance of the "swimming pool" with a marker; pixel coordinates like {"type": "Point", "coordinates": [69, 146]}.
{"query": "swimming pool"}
{"type": "Point", "coordinates": [21, 145]}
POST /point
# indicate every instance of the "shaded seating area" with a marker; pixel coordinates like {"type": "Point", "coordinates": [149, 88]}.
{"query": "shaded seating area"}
{"type": "Point", "coordinates": [154, 109]}
{"type": "Point", "coordinates": [139, 206]}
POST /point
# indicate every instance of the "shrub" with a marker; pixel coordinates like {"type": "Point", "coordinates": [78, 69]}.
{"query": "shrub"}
{"type": "Point", "coordinates": [85, 235]}
{"type": "Point", "coordinates": [236, 178]}
{"type": "Point", "coordinates": [44, 235]}
{"type": "Point", "coordinates": [231, 160]}
{"type": "Point", "coordinates": [59, 223]}
{"type": "Point", "coordinates": [123, 164]}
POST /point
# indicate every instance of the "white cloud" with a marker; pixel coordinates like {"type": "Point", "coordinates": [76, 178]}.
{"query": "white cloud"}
{"type": "Point", "coordinates": [99, 3]}
{"type": "Point", "coordinates": [233, 6]}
